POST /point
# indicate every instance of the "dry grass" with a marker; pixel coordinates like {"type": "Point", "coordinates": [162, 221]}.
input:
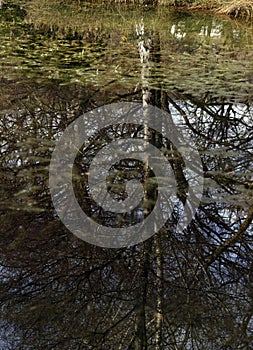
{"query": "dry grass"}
{"type": "Point", "coordinates": [238, 8]}
{"type": "Point", "coordinates": [233, 8]}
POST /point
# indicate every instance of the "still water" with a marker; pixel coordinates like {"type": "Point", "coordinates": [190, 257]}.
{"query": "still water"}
{"type": "Point", "coordinates": [173, 291]}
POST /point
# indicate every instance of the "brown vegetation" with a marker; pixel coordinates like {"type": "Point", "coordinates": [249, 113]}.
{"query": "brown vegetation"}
{"type": "Point", "coordinates": [241, 8]}
{"type": "Point", "coordinates": [234, 8]}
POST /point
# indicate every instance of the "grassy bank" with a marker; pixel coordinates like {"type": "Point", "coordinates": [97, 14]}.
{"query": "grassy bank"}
{"type": "Point", "coordinates": [234, 8]}
{"type": "Point", "coordinates": [238, 8]}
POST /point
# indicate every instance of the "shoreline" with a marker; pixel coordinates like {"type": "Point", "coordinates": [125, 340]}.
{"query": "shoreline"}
{"type": "Point", "coordinates": [234, 9]}
{"type": "Point", "coordinates": [238, 9]}
{"type": "Point", "coordinates": [242, 9]}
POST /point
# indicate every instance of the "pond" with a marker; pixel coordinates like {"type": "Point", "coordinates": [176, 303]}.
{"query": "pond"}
{"type": "Point", "coordinates": [187, 288]}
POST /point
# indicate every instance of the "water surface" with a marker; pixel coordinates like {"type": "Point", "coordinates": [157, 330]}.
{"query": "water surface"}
{"type": "Point", "coordinates": [174, 291]}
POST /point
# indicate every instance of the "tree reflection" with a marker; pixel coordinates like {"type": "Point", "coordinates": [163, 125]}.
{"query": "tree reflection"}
{"type": "Point", "coordinates": [59, 292]}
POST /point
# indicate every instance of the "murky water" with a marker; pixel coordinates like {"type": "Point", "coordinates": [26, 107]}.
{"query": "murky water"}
{"type": "Point", "coordinates": [174, 291]}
